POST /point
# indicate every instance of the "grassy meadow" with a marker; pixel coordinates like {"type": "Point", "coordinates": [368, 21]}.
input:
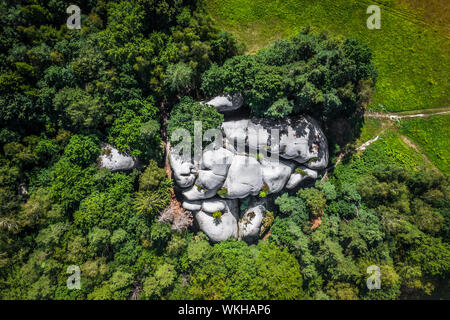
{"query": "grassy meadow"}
{"type": "Point", "coordinates": [410, 50]}
{"type": "Point", "coordinates": [432, 135]}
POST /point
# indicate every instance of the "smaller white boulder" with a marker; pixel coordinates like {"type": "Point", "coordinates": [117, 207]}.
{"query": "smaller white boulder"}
{"type": "Point", "coordinates": [213, 205]}
{"type": "Point", "coordinates": [115, 160]}
{"type": "Point", "coordinates": [227, 102]}
{"type": "Point", "coordinates": [192, 205]}
{"type": "Point", "coordinates": [209, 180]}
{"type": "Point", "coordinates": [217, 160]}
{"type": "Point", "coordinates": [250, 223]}
{"type": "Point", "coordinates": [182, 170]}
{"type": "Point", "coordinates": [223, 228]}
{"type": "Point", "coordinates": [198, 193]}
{"type": "Point", "coordinates": [276, 174]}
{"type": "Point", "coordinates": [244, 178]}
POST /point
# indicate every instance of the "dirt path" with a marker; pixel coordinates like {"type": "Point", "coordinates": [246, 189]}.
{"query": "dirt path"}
{"type": "Point", "coordinates": [411, 144]}
{"type": "Point", "coordinates": [406, 115]}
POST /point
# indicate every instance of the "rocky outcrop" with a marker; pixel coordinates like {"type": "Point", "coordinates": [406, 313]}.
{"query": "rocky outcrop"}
{"type": "Point", "coordinates": [276, 174]}
{"type": "Point", "coordinates": [218, 228]}
{"type": "Point", "coordinates": [257, 157]}
{"type": "Point", "coordinates": [244, 178]}
{"type": "Point", "coordinates": [250, 222]}
{"type": "Point", "coordinates": [182, 170]}
{"type": "Point", "coordinates": [227, 102]}
{"type": "Point", "coordinates": [114, 160]}
{"type": "Point", "coordinates": [235, 133]}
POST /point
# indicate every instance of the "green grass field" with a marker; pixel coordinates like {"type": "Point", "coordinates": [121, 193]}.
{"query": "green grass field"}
{"type": "Point", "coordinates": [389, 149]}
{"type": "Point", "coordinates": [432, 135]}
{"type": "Point", "coordinates": [411, 52]}
{"type": "Point", "coordinates": [372, 127]}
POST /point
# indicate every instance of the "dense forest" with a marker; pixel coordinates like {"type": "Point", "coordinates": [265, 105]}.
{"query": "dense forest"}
{"type": "Point", "coordinates": [130, 76]}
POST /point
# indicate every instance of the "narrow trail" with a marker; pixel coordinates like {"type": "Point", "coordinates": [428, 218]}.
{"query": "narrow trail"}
{"type": "Point", "coordinates": [406, 115]}
{"type": "Point", "coordinates": [411, 144]}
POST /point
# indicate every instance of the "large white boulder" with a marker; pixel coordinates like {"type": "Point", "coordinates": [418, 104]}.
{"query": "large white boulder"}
{"type": "Point", "coordinates": [235, 133]}
{"type": "Point", "coordinates": [114, 160]}
{"type": "Point", "coordinates": [302, 140]}
{"type": "Point", "coordinates": [218, 160]}
{"type": "Point", "coordinates": [244, 178]}
{"type": "Point", "coordinates": [227, 102]}
{"type": "Point", "coordinates": [316, 155]}
{"type": "Point", "coordinates": [223, 228]}
{"type": "Point", "coordinates": [294, 145]}
{"type": "Point", "coordinates": [250, 223]}
{"type": "Point", "coordinates": [182, 170]}
{"type": "Point", "coordinates": [265, 160]}
{"type": "Point", "coordinates": [198, 193]}
{"type": "Point", "coordinates": [293, 138]}
{"type": "Point", "coordinates": [209, 180]}
{"type": "Point", "coordinates": [276, 174]}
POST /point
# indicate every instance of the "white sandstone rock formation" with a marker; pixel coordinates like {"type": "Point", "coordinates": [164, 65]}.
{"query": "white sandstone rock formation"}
{"type": "Point", "coordinates": [244, 178]}
{"type": "Point", "coordinates": [264, 161]}
{"type": "Point", "coordinates": [227, 102]}
{"type": "Point", "coordinates": [114, 160]}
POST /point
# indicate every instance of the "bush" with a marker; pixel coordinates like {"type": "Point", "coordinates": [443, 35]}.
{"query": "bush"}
{"type": "Point", "coordinates": [178, 77]}
{"type": "Point", "coordinates": [217, 215]}
{"type": "Point", "coordinates": [187, 112]}
{"type": "Point", "coordinates": [152, 202]}
{"type": "Point", "coordinates": [152, 177]}
{"type": "Point", "coordinates": [222, 192]}
{"type": "Point", "coordinates": [82, 150]}
{"type": "Point", "coordinates": [137, 135]}
{"type": "Point", "coordinates": [264, 191]}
